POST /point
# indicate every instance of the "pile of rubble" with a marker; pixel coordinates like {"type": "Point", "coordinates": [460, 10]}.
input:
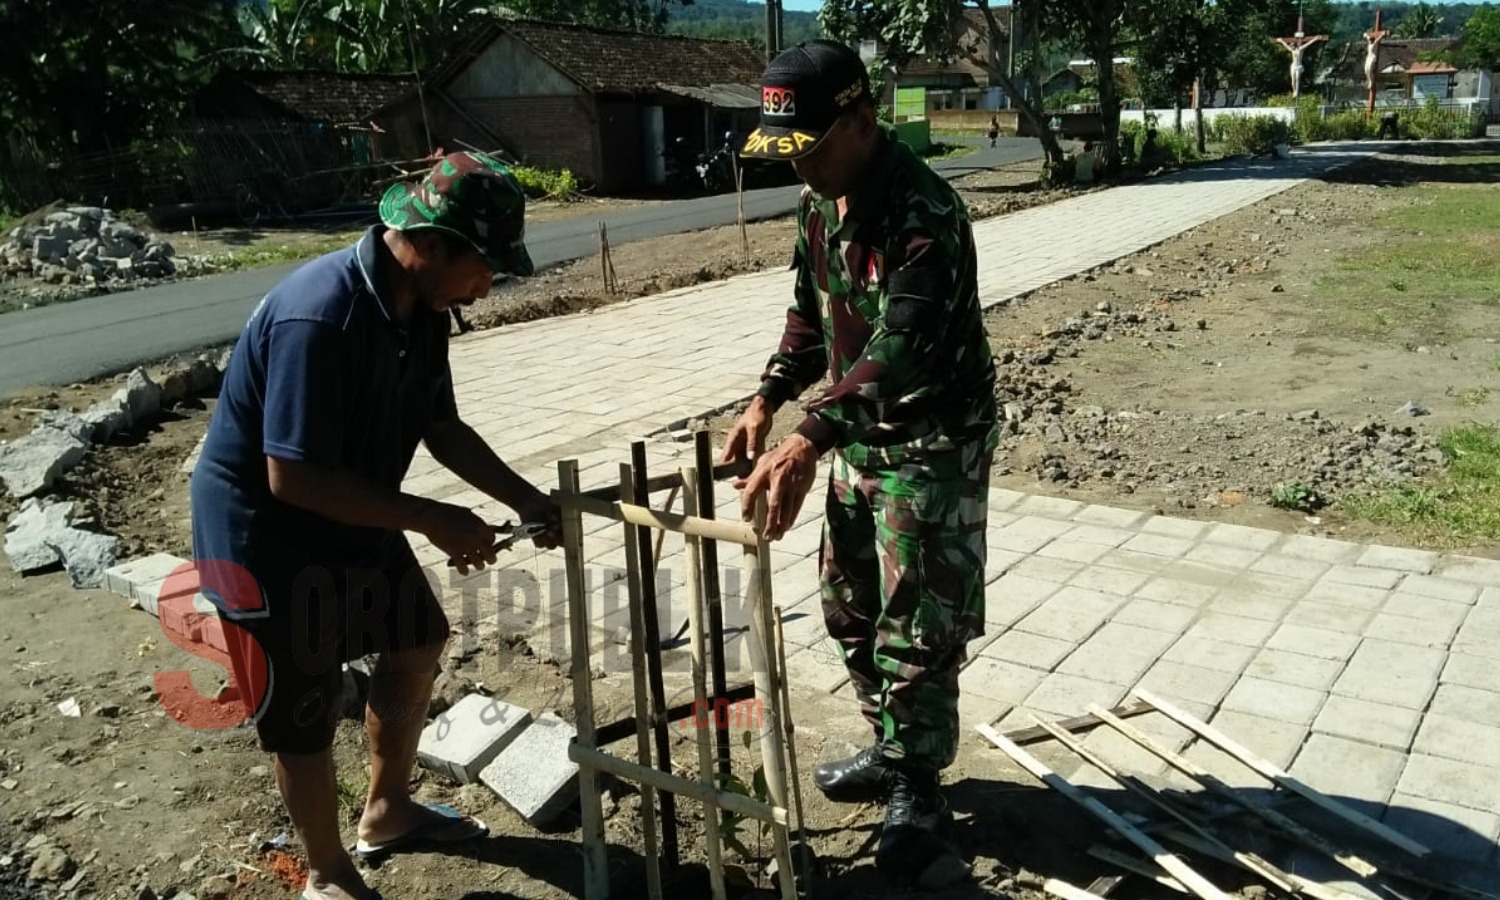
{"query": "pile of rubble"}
{"type": "Point", "coordinates": [1046, 432]}
{"type": "Point", "coordinates": [85, 245]}
{"type": "Point", "coordinates": [45, 533]}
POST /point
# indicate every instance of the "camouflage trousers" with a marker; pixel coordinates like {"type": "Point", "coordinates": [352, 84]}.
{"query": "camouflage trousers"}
{"type": "Point", "coordinates": [902, 581]}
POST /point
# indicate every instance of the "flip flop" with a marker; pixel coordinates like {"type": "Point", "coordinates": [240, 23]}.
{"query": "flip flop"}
{"type": "Point", "coordinates": [453, 828]}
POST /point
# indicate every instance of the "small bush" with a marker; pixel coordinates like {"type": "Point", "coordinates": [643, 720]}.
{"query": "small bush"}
{"type": "Point", "coordinates": [1312, 125]}
{"type": "Point", "coordinates": [1431, 122]}
{"type": "Point", "coordinates": [547, 184]}
{"type": "Point", "coordinates": [1252, 135]}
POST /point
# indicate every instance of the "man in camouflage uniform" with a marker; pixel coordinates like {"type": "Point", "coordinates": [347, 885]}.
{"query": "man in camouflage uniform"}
{"type": "Point", "coordinates": [298, 512]}
{"type": "Point", "coordinates": [886, 306]}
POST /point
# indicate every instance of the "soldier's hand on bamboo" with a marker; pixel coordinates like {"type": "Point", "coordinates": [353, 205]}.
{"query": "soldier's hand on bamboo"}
{"type": "Point", "coordinates": [540, 508]}
{"type": "Point", "coordinates": [467, 539]}
{"type": "Point", "coordinates": [786, 475]}
{"type": "Point", "coordinates": [747, 439]}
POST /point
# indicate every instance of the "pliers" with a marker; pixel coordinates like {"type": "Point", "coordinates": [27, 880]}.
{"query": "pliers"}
{"type": "Point", "coordinates": [512, 534]}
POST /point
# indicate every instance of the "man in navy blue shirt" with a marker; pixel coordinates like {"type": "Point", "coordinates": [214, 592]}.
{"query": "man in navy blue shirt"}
{"type": "Point", "coordinates": [341, 371]}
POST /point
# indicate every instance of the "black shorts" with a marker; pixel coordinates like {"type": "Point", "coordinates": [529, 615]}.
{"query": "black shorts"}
{"type": "Point", "coordinates": [315, 619]}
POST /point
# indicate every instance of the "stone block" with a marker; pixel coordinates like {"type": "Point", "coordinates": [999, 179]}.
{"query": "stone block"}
{"type": "Point", "coordinates": [999, 680]}
{"type": "Point", "coordinates": [1072, 614]}
{"type": "Point", "coordinates": [41, 534]}
{"type": "Point", "coordinates": [1296, 567]}
{"type": "Point", "coordinates": [1041, 568]}
{"type": "Point", "coordinates": [1073, 551]}
{"type": "Point", "coordinates": [1472, 569]}
{"type": "Point", "coordinates": [1189, 683]}
{"type": "Point", "coordinates": [1321, 549]}
{"type": "Point", "coordinates": [1459, 832]}
{"type": "Point", "coordinates": [1210, 654]}
{"type": "Point", "coordinates": [1460, 739]}
{"type": "Point", "coordinates": [1168, 526]}
{"type": "Point", "coordinates": [1465, 784]}
{"type": "Point", "coordinates": [1172, 590]}
{"type": "Point", "coordinates": [29, 464]}
{"type": "Point", "coordinates": [1452, 590]}
{"type": "Point", "coordinates": [1110, 579]}
{"type": "Point", "coordinates": [1337, 593]}
{"type": "Point", "coordinates": [1364, 576]}
{"type": "Point", "coordinates": [1031, 650]}
{"type": "Point", "coordinates": [1069, 695]}
{"type": "Point", "coordinates": [1058, 508]}
{"type": "Point", "coordinates": [1257, 539]}
{"type": "Point", "coordinates": [1349, 620]}
{"type": "Point", "coordinates": [1468, 703]}
{"type": "Point", "coordinates": [127, 578]}
{"type": "Point", "coordinates": [1165, 617]}
{"type": "Point", "coordinates": [533, 775]}
{"type": "Point", "coordinates": [1385, 672]}
{"type": "Point", "coordinates": [1223, 556]}
{"type": "Point", "coordinates": [1027, 534]}
{"type": "Point", "coordinates": [1411, 630]}
{"type": "Point", "coordinates": [1470, 671]}
{"type": "Point", "coordinates": [1232, 629]}
{"type": "Point", "coordinates": [468, 737]}
{"type": "Point", "coordinates": [1349, 769]}
{"type": "Point", "coordinates": [1159, 545]}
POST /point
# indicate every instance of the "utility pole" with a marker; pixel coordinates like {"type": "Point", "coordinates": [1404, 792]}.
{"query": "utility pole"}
{"type": "Point", "coordinates": [773, 28]}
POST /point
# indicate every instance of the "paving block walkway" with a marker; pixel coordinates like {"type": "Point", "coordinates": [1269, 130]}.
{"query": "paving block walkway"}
{"type": "Point", "coordinates": [1366, 670]}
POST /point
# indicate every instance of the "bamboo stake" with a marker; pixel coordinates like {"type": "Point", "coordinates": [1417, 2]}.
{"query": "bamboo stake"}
{"type": "Point", "coordinates": [791, 744]}
{"type": "Point", "coordinates": [595, 859]}
{"type": "Point", "coordinates": [1245, 860]}
{"type": "Point", "coordinates": [1163, 857]}
{"type": "Point", "coordinates": [651, 639]}
{"type": "Point", "coordinates": [1280, 777]}
{"type": "Point", "coordinates": [739, 189]}
{"type": "Point", "coordinates": [713, 594]}
{"type": "Point", "coordinates": [757, 563]}
{"type": "Point", "coordinates": [714, 529]}
{"type": "Point", "coordinates": [712, 834]}
{"type": "Point", "coordinates": [738, 804]}
{"type": "Point", "coordinates": [1273, 818]}
{"type": "Point", "coordinates": [638, 612]}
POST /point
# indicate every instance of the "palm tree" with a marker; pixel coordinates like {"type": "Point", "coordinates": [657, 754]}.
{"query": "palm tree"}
{"type": "Point", "coordinates": [1421, 21]}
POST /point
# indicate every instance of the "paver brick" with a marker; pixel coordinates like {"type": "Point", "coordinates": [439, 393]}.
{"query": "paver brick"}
{"type": "Point", "coordinates": [1470, 671]}
{"type": "Point", "coordinates": [999, 680]}
{"type": "Point", "coordinates": [1171, 590]}
{"type": "Point", "coordinates": [1033, 650]}
{"type": "Point", "coordinates": [1182, 681]}
{"type": "Point", "coordinates": [1166, 617]}
{"type": "Point", "coordinates": [1071, 614]}
{"type": "Point", "coordinates": [1385, 672]}
{"type": "Point", "coordinates": [1419, 561]}
{"type": "Point", "coordinates": [1210, 654]}
{"type": "Point", "coordinates": [1275, 700]}
{"type": "Point", "coordinates": [1295, 669]}
{"type": "Point", "coordinates": [1460, 739]}
{"type": "Point", "coordinates": [1049, 507]}
{"type": "Point", "coordinates": [1069, 695]}
{"type": "Point", "coordinates": [1232, 629]}
{"type": "Point", "coordinates": [1074, 551]}
{"type": "Point", "coordinates": [1457, 831]}
{"type": "Point", "coordinates": [1275, 741]}
{"type": "Point", "coordinates": [1109, 579]}
{"type": "Point", "coordinates": [1471, 569]}
{"type": "Point", "coordinates": [1364, 576]}
{"type": "Point", "coordinates": [1320, 549]}
{"type": "Point", "coordinates": [534, 775]}
{"type": "Point", "coordinates": [1319, 642]}
{"type": "Point", "coordinates": [1027, 534]}
{"type": "Point", "coordinates": [1223, 556]}
{"type": "Point", "coordinates": [1450, 589]}
{"type": "Point", "coordinates": [1268, 609]}
{"type": "Point", "coordinates": [1111, 517]}
{"type": "Point", "coordinates": [1258, 539]}
{"type": "Point", "coordinates": [1348, 769]}
{"type": "Point", "coordinates": [1290, 566]}
{"type": "Point", "coordinates": [1159, 545]}
{"type": "Point", "coordinates": [1328, 617]}
{"type": "Point", "coordinates": [1169, 526]}
{"type": "Point", "coordinates": [816, 668]}
{"type": "Point", "coordinates": [1107, 662]}
{"type": "Point", "coordinates": [1476, 705]}
{"type": "Point", "coordinates": [1463, 784]}
{"type": "Point", "coordinates": [1058, 570]}
{"type": "Point", "coordinates": [1429, 608]}
{"type": "Point", "coordinates": [1353, 595]}
{"type": "Point", "coordinates": [1372, 723]}
{"type": "Point", "coordinates": [127, 578]}
{"type": "Point", "coordinates": [468, 737]}
{"type": "Point", "coordinates": [1410, 630]}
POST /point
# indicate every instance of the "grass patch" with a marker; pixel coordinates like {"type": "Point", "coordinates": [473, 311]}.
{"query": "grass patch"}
{"type": "Point", "coordinates": [1439, 257]}
{"type": "Point", "coordinates": [939, 150]}
{"type": "Point", "coordinates": [1474, 396]}
{"type": "Point", "coordinates": [1461, 504]}
{"type": "Point", "coordinates": [257, 257]}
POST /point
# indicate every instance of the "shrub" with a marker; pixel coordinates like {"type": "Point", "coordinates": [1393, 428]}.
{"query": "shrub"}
{"type": "Point", "coordinates": [545, 184]}
{"type": "Point", "coordinates": [1252, 135]}
{"type": "Point", "coordinates": [1431, 122]}
{"type": "Point", "coordinates": [1313, 125]}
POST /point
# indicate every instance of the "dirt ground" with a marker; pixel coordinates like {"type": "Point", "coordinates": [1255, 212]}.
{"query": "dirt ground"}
{"type": "Point", "coordinates": [1187, 383]}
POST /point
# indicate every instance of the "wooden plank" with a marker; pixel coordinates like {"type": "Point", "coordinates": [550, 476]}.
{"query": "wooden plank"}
{"type": "Point", "coordinates": [1077, 725]}
{"type": "Point", "coordinates": [1281, 823]}
{"type": "Point", "coordinates": [1245, 860]}
{"type": "Point", "coordinates": [591, 807]}
{"type": "Point", "coordinates": [1144, 868]}
{"type": "Point", "coordinates": [1215, 850]}
{"type": "Point", "coordinates": [1163, 857]}
{"type": "Point", "coordinates": [1065, 891]}
{"type": "Point", "coordinates": [1279, 776]}
{"type": "Point", "coordinates": [739, 804]}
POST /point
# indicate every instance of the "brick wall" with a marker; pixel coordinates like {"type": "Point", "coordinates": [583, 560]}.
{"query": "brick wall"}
{"type": "Point", "coordinates": [550, 132]}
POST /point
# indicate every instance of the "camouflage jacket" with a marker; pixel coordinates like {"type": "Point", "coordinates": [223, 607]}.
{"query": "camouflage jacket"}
{"type": "Point", "coordinates": [887, 306]}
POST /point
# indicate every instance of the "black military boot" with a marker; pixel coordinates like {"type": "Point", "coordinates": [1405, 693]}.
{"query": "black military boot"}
{"type": "Point", "coordinates": [914, 845]}
{"type": "Point", "coordinates": [858, 778]}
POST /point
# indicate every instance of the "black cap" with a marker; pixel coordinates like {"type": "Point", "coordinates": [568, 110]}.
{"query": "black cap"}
{"type": "Point", "coordinates": [803, 92]}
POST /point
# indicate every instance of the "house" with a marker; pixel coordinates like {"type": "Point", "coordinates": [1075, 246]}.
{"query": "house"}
{"type": "Point", "coordinates": [959, 83]}
{"type": "Point", "coordinates": [604, 104]}
{"type": "Point", "coordinates": [1410, 71]}
{"type": "Point", "coordinates": [258, 137]}
{"type": "Point", "coordinates": [1080, 74]}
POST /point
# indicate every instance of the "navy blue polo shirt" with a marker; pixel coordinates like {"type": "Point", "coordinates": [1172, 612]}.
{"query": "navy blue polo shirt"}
{"type": "Point", "coordinates": [323, 373]}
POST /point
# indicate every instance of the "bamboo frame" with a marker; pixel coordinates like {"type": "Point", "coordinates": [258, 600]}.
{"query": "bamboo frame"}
{"type": "Point", "coordinates": [627, 504]}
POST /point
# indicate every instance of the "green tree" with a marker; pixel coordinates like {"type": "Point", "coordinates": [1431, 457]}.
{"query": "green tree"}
{"type": "Point", "coordinates": [94, 74]}
{"type": "Point", "coordinates": [1252, 60]}
{"type": "Point", "coordinates": [352, 35]}
{"type": "Point", "coordinates": [629, 15]}
{"type": "Point", "coordinates": [1421, 21]}
{"type": "Point", "coordinates": [1481, 46]}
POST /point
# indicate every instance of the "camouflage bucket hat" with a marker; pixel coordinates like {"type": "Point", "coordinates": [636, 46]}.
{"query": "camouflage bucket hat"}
{"type": "Point", "coordinates": [473, 197]}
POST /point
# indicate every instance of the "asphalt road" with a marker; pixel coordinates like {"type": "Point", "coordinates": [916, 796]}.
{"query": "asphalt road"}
{"type": "Point", "coordinates": [69, 342]}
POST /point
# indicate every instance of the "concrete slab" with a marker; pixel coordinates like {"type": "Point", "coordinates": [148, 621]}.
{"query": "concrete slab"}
{"type": "Point", "coordinates": [462, 741]}
{"type": "Point", "coordinates": [534, 775]}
